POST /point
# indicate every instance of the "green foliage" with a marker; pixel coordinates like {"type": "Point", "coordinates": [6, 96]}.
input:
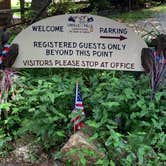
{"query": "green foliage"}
{"type": "Point", "coordinates": [126, 120]}
{"type": "Point", "coordinates": [129, 127]}
{"type": "Point", "coordinates": [83, 155]}
{"type": "Point", "coordinates": [99, 5]}
{"type": "Point", "coordinates": [46, 109]}
{"type": "Point", "coordinates": [4, 139]}
{"type": "Point", "coordinates": [139, 14]}
{"type": "Point", "coordinates": [64, 7]}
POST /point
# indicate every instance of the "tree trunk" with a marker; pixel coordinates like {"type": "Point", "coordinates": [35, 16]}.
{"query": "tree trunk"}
{"type": "Point", "coordinates": [40, 10]}
{"type": "Point", "coordinates": [22, 7]}
{"type": "Point", "coordinates": [37, 5]}
{"type": "Point", "coordinates": [130, 5]}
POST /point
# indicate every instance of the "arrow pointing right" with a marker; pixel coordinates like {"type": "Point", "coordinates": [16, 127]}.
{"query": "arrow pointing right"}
{"type": "Point", "coordinates": [114, 37]}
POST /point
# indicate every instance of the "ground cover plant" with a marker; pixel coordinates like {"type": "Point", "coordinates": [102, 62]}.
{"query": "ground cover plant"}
{"type": "Point", "coordinates": [128, 125]}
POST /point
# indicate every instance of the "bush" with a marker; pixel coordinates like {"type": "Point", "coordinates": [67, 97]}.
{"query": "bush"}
{"type": "Point", "coordinates": [63, 8]}
{"type": "Point", "coordinates": [127, 124]}
{"type": "Point", "coordinates": [99, 5]}
{"type": "Point", "coordinates": [126, 120]}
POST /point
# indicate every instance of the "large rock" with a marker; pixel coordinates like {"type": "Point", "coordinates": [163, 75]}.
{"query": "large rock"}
{"type": "Point", "coordinates": [79, 147]}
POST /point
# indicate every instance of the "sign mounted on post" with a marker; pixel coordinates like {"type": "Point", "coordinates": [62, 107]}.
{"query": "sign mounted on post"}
{"type": "Point", "coordinates": [79, 41]}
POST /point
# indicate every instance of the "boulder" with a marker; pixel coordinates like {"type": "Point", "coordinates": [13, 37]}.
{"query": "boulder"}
{"type": "Point", "coordinates": [78, 149]}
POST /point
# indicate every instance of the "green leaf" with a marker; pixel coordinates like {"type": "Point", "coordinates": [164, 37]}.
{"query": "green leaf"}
{"type": "Point", "coordinates": [15, 110]}
{"type": "Point", "coordinates": [99, 162]}
{"type": "Point", "coordinates": [93, 137]}
{"type": "Point", "coordinates": [5, 106]}
{"type": "Point", "coordinates": [31, 110]}
{"type": "Point", "coordinates": [162, 156]}
{"type": "Point", "coordinates": [57, 155]}
{"type": "Point", "coordinates": [60, 133]}
{"type": "Point", "coordinates": [82, 159]}
{"type": "Point", "coordinates": [129, 93]}
{"type": "Point", "coordinates": [51, 96]}
{"type": "Point", "coordinates": [112, 163]}
{"type": "Point", "coordinates": [71, 152]}
{"type": "Point", "coordinates": [158, 96]}
{"type": "Point", "coordinates": [141, 155]}
{"type": "Point", "coordinates": [109, 141]}
{"type": "Point", "coordinates": [111, 104]}
{"type": "Point", "coordinates": [142, 104]}
{"type": "Point", "coordinates": [92, 123]}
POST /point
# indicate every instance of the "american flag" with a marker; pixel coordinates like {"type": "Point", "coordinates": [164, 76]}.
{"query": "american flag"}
{"type": "Point", "coordinates": [78, 105]}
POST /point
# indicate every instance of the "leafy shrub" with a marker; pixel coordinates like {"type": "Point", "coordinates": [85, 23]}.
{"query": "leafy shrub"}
{"type": "Point", "coordinates": [126, 120]}
{"type": "Point", "coordinates": [64, 7]}
{"type": "Point", "coordinates": [99, 5]}
{"type": "Point", "coordinates": [128, 126]}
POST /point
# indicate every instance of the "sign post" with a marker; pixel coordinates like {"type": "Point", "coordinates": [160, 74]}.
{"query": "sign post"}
{"type": "Point", "coordinates": [79, 41]}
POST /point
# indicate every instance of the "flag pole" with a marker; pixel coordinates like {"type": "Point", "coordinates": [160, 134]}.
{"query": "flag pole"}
{"type": "Point", "coordinates": [76, 87]}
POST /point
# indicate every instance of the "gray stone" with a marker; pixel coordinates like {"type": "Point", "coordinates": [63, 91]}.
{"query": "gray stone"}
{"type": "Point", "coordinates": [23, 152]}
{"type": "Point", "coordinates": [77, 142]}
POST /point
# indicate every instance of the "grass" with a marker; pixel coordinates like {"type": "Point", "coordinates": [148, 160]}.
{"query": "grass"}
{"type": "Point", "coordinates": [139, 14]}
